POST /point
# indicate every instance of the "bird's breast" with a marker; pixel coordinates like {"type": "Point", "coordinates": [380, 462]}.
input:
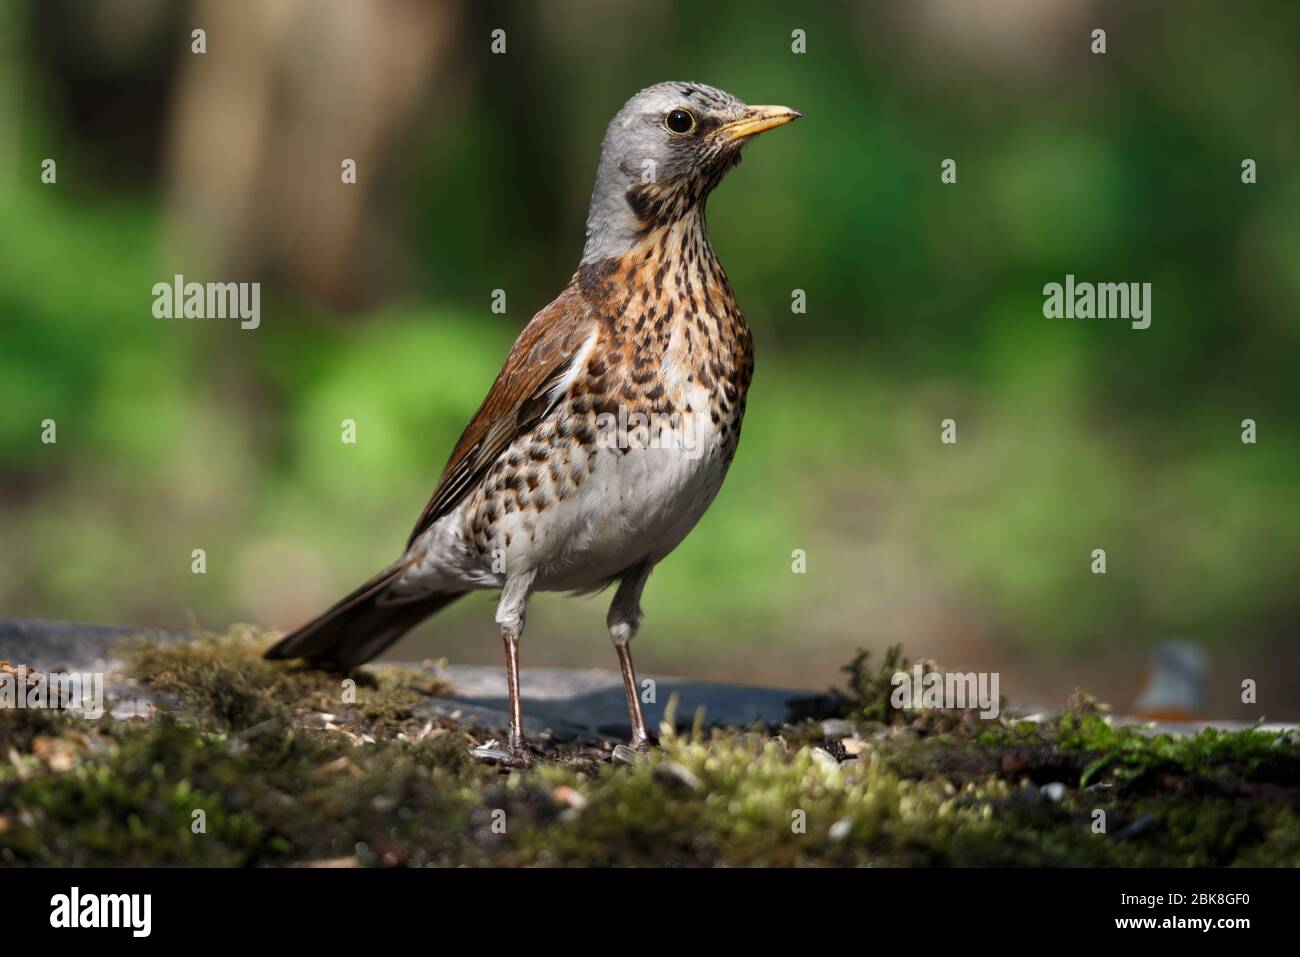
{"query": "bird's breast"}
{"type": "Point", "coordinates": [636, 448]}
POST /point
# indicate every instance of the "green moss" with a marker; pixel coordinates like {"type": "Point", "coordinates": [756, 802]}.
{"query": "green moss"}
{"type": "Point", "coordinates": [867, 695]}
{"type": "Point", "coordinates": [377, 785]}
{"type": "Point", "coordinates": [230, 687]}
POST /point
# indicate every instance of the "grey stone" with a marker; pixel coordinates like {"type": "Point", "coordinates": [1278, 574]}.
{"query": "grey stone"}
{"type": "Point", "coordinates": [570, 703]}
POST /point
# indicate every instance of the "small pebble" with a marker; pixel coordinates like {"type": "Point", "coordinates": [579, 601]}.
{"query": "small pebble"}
{"type": "Point", "coordinates": [491, 755]}
{"type": "Point", "coordinates": [570, 796]}
{"type": "Point", "coordinates": [1054, 791]}
{"type": "Point", "coordinates": [840, 830]}
{"type": "Point", "coordinates": [822, 756]}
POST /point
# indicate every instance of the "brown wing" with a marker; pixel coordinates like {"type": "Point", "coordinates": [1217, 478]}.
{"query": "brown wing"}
{"type": "Point", "coordinates": [520, 396]}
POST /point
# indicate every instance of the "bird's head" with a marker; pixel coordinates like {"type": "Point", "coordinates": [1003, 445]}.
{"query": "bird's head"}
{"type": "Point", "coordinates": [663, 153]}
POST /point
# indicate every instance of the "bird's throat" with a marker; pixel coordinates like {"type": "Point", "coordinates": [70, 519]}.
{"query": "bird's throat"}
{"type": "Point", "coordinates": [667, 310]}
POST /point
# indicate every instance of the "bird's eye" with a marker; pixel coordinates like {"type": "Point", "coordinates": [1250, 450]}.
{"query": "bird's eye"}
{"type": "Point", "coordinates": [679, 122]}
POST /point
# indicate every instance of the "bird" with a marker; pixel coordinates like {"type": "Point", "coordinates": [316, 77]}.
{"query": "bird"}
{"type": "Point", "coordinates": [611, 425]}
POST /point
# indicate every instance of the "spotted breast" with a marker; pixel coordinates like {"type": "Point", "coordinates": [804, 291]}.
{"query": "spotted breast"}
{"type": "Point", "coordinates": [645, 422]}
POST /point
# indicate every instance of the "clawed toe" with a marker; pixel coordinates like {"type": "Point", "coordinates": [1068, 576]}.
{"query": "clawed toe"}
{"type": "Point", "coordinates": [517, 757]}
{"type": "Point", "coordinates": [626, 755]}
{"type": "Point", "coordinates": [522, 759]}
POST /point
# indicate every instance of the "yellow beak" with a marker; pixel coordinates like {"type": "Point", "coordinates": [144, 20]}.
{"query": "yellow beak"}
{"type": "Point", "coordinates": [757, 119]}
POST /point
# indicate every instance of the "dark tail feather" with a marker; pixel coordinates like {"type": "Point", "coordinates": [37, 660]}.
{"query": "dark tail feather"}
{"type": "Point", "coordinates": [360, 626]}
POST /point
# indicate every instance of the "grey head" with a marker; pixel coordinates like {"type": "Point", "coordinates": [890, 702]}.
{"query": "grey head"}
{"type": "Point", "coordinates": [663, 153]}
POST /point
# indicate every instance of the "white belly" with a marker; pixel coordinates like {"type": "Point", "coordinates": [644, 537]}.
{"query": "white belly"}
{"type": "Point", "coordinates": [642, 490]}
{"type": "Point", "coordinates": [635, 504]}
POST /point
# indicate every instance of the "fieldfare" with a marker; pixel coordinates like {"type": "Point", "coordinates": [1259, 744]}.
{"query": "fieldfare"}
{"type": "Point", "coordinates": [611, 426]}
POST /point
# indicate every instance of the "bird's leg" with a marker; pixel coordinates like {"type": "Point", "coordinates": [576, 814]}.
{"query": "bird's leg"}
{"type": "Point", "coordinates": [510, 638]}
{"type": "Point", "coordinates": [510, 616]}
{"type": "Point", "coordinates": [624, 619]}
{"type": "Point", "coordinates": [640, 739]}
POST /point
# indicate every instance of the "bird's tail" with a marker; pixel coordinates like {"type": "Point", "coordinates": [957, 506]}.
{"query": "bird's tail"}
{"type": "Point", "coordinates": [360, 626]}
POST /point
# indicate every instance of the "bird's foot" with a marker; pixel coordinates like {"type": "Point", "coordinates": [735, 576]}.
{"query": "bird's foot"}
{"type": "Point", "coordinates": [516, 756]}
{"type": "Point", "coordinates": [626, 755]}
{"type": "Point", "coordinates": [521, 759]}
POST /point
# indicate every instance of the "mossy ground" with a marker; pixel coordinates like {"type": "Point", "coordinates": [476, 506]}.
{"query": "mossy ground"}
{"type": "Point", "coordinates": [287, 770]}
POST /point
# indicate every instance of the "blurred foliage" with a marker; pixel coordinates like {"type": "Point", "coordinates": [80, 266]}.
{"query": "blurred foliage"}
{"type": "Point", "coordinates": [924, 304]}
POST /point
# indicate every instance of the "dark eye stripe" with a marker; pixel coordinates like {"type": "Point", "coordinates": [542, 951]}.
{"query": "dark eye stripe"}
{"type": "Point", "coordinates": [707, 125]}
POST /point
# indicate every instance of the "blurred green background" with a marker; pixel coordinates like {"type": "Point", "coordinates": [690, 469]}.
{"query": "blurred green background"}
{"type": "Point", "coordinates": [924, 303]}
